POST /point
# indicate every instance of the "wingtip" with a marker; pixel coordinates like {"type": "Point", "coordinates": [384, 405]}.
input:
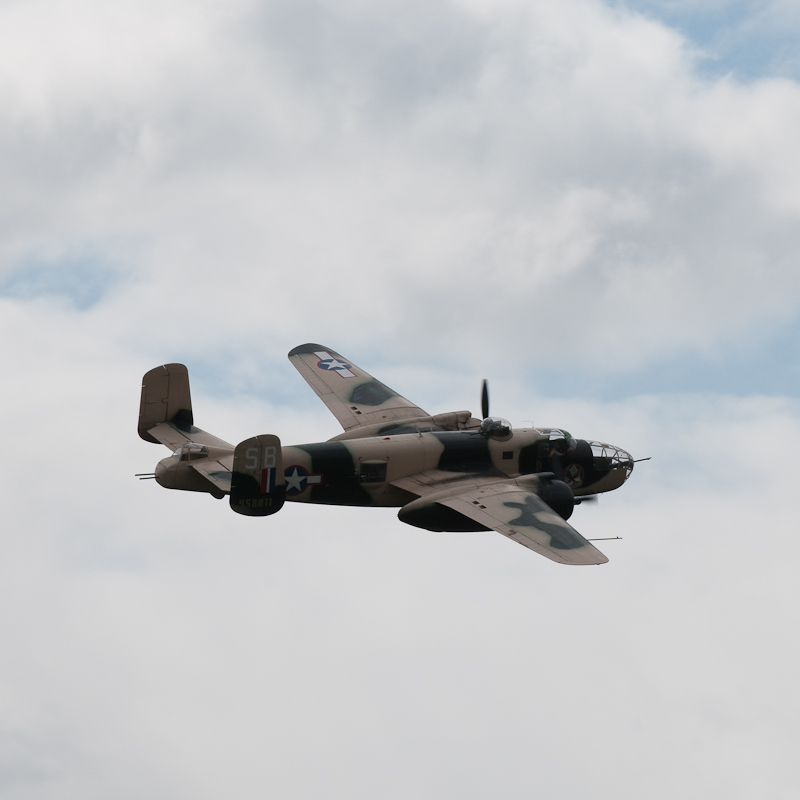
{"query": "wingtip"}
{"type": "Point", "coordinates": [309, 347]}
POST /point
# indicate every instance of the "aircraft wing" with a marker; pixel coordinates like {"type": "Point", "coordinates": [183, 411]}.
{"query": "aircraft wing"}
{"type": "Point", "coordinates": [513, 508]}
{"type": "Point", "coordinates": [524, 517]}
{"type": "Point", "coordinates": [354, 397]}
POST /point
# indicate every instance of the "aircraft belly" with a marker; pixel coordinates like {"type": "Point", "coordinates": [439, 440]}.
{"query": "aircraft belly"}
{"type": "Point", "coordinates": [613, 479]}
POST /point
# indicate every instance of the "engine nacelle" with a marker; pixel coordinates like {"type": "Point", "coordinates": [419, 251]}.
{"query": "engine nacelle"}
{"type": "Point", "coordinates": [558, 496]}
{"type": "Point", "coordinates": [431, 516]}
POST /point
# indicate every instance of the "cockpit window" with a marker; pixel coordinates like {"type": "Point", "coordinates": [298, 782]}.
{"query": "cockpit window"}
{"type": "Point", "coordinates": [190, 452]}
{"type": "Point", "coordinates": [560, 440]}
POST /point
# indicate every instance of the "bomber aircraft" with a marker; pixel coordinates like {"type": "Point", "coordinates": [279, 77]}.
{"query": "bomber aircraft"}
{"type": "Point", "coordinates": [447, 472]}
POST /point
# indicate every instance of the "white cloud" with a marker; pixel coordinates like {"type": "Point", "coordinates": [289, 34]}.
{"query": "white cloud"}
{"type": "Point", "coordinates": [438, 191]}
{"type": "Point", "coordinates": [157, 643]}
{"type": "Point", "coordinates": [546, 165]}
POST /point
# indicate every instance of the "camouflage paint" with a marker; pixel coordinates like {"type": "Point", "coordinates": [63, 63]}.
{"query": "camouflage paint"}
{"type": "Point", "coordinates": [373, 393]}
{"type": "Point", "coordinates": [340, 480]}
{"type": "Point", "coordinates": [530, 515]}
{"type": "Point", "coordinates": [464, 451]}
{"type": "Point", "coordinates": [442, 471]}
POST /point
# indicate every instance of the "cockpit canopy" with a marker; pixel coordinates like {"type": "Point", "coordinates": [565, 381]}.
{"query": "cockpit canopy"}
{"type": "Point", "coordinates": [496, 428]}
{"type": "Point", "coordinates": [191, 451]}
{"type": "Point", "coordinates": [560, 440]}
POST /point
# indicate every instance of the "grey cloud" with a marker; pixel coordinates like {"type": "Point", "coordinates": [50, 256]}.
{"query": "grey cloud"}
{"type": "Point", "coordinates": [587, 171]}
{"type": "Point", "coordinates": [553, 187]}
{"type": "Point", "coordinates": [378, 63]}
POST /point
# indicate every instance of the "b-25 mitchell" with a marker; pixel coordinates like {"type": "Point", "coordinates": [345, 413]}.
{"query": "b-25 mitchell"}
{"type": "Point", "coordinates": [446, 472]}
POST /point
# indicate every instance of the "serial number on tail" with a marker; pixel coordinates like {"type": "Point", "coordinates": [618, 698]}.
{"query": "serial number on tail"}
{"type": "Point", "coordinates": [254, 502]}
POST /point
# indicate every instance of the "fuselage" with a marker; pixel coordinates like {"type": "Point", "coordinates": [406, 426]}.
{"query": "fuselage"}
{"type": "Point", "coordinates": [371, 471]}
{"type": "Point", "coordinates": [361, 472]}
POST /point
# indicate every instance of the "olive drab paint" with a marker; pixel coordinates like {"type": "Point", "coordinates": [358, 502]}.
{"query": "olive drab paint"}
{"type": "Point", "coordinates": [257, 480]}
{"type": "Point", "coordinates": [447, 472]}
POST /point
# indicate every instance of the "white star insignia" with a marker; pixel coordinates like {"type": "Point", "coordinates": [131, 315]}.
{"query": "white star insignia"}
{"type": "Point", "coordinates": [295, 481]}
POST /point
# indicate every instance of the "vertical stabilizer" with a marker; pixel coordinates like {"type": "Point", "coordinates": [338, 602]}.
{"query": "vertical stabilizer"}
{"type": "Point", "coordinates": [165, 398]}
{"type": "Point", "coordinates": [257, 483]}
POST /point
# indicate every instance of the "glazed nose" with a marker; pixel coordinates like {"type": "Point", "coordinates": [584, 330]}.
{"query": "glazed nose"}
{"type": "Point", "coordinates": [618, 459]}
{"type": "Point", "coordinates": [621, 459]}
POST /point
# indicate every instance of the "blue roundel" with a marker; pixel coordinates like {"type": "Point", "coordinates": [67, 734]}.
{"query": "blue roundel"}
{"type": "Point", "coordinates": [333, 363]}
{"type": "Point", "coordinates": [298, 479]}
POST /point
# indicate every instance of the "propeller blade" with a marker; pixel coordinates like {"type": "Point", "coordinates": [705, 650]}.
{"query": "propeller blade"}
{"type": "Point", "coordinates": [591, 498]}
{"type": "Point", "coordinates": [485, 399]}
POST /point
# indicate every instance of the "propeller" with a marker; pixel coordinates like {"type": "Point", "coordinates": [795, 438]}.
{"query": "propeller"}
{"type": "Point", "coordinates": [558, 495]}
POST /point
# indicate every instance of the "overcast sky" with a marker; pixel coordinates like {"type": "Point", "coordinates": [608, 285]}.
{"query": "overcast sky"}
{"type": "Point", "coordinates": [594, 205]}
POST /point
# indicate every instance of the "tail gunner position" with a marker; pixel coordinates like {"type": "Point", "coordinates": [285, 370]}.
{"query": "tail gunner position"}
{"type": "Point", "coordinates": [448, 472]}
